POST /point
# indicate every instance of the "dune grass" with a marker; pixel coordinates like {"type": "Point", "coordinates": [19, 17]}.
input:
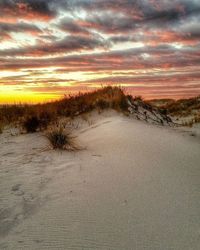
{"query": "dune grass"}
{"type": "Point", "coordinates": [37, 117]}
{"type": "Point", "coordinates": [183, 107]}
{"type": "Point", "coordinates": [31, 124]}
{"type": "Point", "coordinates": [61, 139]}
{"type": "Point", "coordinates": [192, 121]}
{"type": "Point", "coordinates": [1, 128]}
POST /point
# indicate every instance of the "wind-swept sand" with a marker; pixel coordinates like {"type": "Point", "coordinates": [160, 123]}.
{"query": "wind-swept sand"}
{"type": "Point", "coordinates": [135, 187]}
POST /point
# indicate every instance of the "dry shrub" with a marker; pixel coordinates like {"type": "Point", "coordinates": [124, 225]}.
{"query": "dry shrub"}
{"type": "Point", "coordinates": [1, 128]}
{"type": "Point", "coordinates": [36, 122]}
{"type": "Point", "coordinates": [31, 124]}
{"type": "Point", "coordinates": [60, 139]}
{"type": "Point", "coordinates": [123, 104]}
{"type": "Point", "coordinates": [102, 104]}
{"type": "Point", "coordinates": [108, 97]}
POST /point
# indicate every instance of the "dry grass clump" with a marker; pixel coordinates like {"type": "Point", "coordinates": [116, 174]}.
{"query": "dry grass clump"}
{"type": "Point", "coordinates": [35, 122]}
{"type": "Point", "coordinates": [1, 128]}
{"type": "Point", "coordinates": [60, 139]}
{"type": "Point", "coordinates": [11, 113]}
{"type": "Point", "coordinates": [18, 114]}
{"type": "Point", "coordinates": [104, 98]}
{"type": "Point", "coordinates": [31, 124]}
{"type": "Point", "coordinates": [102, 103]}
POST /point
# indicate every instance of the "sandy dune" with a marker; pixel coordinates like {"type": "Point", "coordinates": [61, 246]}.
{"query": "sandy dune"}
{"type": "Point", "coordinates": [135, 187]}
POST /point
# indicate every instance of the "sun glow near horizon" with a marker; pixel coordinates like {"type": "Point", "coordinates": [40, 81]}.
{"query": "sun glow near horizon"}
{"type": "Point", "coordinates": [52, 48]}
{"type": "Point", "coordinates": [25, 97]}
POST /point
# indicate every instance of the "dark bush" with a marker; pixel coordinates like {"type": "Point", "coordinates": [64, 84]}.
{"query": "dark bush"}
{"type": "Point", "coordinates": [1, 128]}
{"type": "Point", "coordinates": [123, 104]}
{"type": "Point", "coordinates": [163, 111]}
{"type": "Point", "coordinates": [60, 139]}
{"type": "Point", "coordinates": [31, 124]}
{"type": "Point", "coordinates": [102, 104]}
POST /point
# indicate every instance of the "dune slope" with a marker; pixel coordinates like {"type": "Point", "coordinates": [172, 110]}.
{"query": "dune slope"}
{"type": "Point", "coordinates": [135, 186]}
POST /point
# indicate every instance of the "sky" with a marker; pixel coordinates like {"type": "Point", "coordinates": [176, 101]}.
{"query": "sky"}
{"type": "Point", "coordinates": [51, 48]}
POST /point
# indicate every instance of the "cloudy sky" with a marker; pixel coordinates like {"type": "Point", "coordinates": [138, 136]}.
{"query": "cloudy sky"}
{"type": "Point", "coordinates": [149, 47]}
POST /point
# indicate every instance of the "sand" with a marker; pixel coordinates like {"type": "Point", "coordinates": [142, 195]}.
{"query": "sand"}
{"type": "Point", "coordinates": [135, 187]}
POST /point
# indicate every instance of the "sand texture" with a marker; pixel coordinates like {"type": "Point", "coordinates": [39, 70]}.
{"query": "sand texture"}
{"type": "Point", "coordinates": [135, 186]}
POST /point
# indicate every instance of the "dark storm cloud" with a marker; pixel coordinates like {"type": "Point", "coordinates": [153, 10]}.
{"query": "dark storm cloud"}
{"type": "Point", "coordinates": [6, 28]}
{"type": "Point", "coordinates": [66, 45]}
{"type": "Point", "coordinates": [70, 26]}
{"type": "Point", "coordinates": [104, 15]}
{"type": "Point", "coordinates": [26, 9]}
{"type": "Point", "coordinates": [137, 9]}
{"type": "Point", "coordinates": [160, 57]}
{"type": "Point", "coordinates": [149, 18]}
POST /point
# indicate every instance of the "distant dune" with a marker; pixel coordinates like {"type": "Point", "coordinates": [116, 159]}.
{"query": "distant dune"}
{"type": "Point", "coordinates": [188, 110]}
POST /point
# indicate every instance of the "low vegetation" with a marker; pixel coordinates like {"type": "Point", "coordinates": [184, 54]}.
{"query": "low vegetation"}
{"type": "Point", "coordinates": [31, 124]}
{"type": "Point", "coordinates": [192, 121]}
{"type": "Point", "coordinates": [36, 122]}
{"type": "Point", "coordinates": [60, 139]}
{"type": "Point", "coordinates": [187, 110]}
{"type": "Point", "coordinates": [37, 117]}
{"type": "Point", "coordinates": [183, 107]}
{"type": "Point", "coordinates": [1, 128]}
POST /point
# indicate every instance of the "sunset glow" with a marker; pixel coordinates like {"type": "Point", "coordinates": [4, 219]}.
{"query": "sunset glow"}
{"type": "Point", "coordinates": [51, 48]}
